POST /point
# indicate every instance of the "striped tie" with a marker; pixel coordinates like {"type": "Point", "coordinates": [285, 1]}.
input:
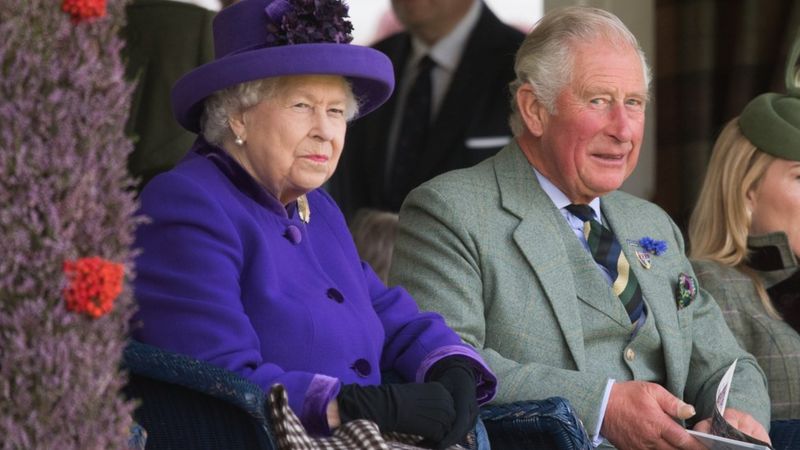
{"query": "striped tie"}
{"type": "Point", "coordinates": [606, 251]}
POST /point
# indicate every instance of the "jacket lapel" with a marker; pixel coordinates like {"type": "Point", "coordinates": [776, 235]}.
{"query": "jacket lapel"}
{"type": "Point", "coordinates": [375, 127]}
{"type": "Point", "coordinates": [630, 225]}
{"type": "Point", "coordinates": [591, 286]}
{"type": "Point", "coordinates": [536, 237]}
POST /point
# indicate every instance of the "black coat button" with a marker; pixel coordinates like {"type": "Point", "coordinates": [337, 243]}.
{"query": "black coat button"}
{"type": "Point", "coordinates": [293, 234]}
{"type": "Point", "coordinates": [362, 368]}
{"type": "Point", "coordinates": [335, 295]}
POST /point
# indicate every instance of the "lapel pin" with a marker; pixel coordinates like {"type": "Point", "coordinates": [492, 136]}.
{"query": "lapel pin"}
{"type": "Point", "coordinates": [644, 259]}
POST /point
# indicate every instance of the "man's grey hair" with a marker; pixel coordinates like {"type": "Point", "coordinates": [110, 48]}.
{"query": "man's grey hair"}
{"type": "Point", "coordinates": [221, 105]}
{"type": "Point", "coordinates": [545, 58]}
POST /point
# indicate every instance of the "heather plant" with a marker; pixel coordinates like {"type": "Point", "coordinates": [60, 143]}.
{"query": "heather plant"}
{"type": "Point", "coordinates": [66, 225]}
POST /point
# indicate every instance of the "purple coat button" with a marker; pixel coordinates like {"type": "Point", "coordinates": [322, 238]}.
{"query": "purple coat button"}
{"type": "Point", "coordinates": [362, 368]}
{"type": "Point", "coordinates": [335, 295]}
{"type": "Point", "coordinates": [293, 234]}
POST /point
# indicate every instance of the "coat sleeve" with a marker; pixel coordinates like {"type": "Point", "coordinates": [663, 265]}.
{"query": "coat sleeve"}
{"type": "Point", "coordinates": [714, 348]}
{"type": "Point", "coordinates": [437, 258]}
{"type": "Point", "coordinates": [416, 340]}
{"type": "Point", "coordinates": [189, 298]}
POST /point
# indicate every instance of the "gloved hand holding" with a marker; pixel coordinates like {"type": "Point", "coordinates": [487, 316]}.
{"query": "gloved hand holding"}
{"type": "Point", "coordinates": [423, 409]}
{"type": "Point", "coordinates": [456, 375]}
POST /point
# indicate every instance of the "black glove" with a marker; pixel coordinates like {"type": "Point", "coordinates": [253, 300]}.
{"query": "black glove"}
{"type": "Point", "coordinates": [456, 375]}
{"type": "Point", "coordinates": [423, 409]}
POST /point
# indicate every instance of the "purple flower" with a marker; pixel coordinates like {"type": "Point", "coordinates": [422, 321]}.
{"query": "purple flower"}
{"type": "Point", "coordinates": [308, 21]}
{"type": "Point", "coordinates": [653, 246]}
{"type": "Point", "coordinates": [687, 290]}
{"type": "Point", "coordinates": [66, 194]}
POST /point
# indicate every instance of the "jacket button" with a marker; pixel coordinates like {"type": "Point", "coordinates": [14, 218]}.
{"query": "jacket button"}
{"type": "Point", "coordinates": [362, 368]}
{"type": "Point", "coordinates": [293, 234]}
{"type": "Point", "coordinates": [630, 355]}
{"type": "Point", "coordinates": [336, 296]}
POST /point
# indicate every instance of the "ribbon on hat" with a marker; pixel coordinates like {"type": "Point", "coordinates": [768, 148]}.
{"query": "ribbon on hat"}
{"type": "Point", "coordinates": [771, 121]}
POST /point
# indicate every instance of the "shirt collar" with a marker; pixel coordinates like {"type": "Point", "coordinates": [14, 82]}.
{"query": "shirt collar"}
{"type": "Point", "coordinates": [771, 252]}
{"type": "Point", "coordinates": [559, 198]}
{"type": "Point", "coordinates": [446, 53]}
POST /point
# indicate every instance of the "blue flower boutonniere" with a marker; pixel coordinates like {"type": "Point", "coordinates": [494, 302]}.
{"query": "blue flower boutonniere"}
{"type": "Point", "coordinates": [647, 246]}
{"type": "Point", "coordinates": [654, 246]}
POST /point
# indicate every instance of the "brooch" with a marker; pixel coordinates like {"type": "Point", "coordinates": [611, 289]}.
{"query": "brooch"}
{"type": "Point", "coordinates": [303, 210]}
{"type": "Point", "coordinates": [647, 246]}
{"type": "Point", "coordinates": [687, 290]}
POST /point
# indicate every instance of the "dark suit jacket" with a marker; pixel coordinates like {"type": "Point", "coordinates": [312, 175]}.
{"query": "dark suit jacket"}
{"type": "Point", "coordinates": [475, 105]}
{"type": "Point", "coordinates": [165, 39]}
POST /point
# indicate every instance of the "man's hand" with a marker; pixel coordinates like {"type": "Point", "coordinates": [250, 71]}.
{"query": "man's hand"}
{"type": "Point", "coordinates": [741, 421]}
{"type": "Point", "coordinates": [640, 415]}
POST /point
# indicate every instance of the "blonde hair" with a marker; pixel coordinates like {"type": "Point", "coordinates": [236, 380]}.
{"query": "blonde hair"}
{"type": "Point", "coordinates": [373, 232]}
{"type": "Point", "coordinates": [720, 222]}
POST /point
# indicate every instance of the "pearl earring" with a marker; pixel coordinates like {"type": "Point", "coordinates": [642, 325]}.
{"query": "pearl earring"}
{"type": "Point", "coordinates": [239, 141]}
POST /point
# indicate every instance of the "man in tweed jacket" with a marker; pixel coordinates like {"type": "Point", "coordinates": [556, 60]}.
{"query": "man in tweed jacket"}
{"type": "Point", "coordinates": [495, 251]}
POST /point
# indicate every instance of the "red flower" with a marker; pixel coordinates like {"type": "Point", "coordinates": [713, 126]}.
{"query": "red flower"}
{"type": "Point", "coordinates": [93, 285]}
{"type": "Point", "coordinates": [84, 9]}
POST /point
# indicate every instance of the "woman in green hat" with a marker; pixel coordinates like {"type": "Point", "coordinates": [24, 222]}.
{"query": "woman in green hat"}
{"type": "Point", "coordinates": [745, 235]}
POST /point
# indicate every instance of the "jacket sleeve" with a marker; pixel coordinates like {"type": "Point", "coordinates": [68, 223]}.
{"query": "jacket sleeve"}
{"type": "Point", "coordinates": [416, 340]}
{"type": "Point", "coordinates": [714, 348]}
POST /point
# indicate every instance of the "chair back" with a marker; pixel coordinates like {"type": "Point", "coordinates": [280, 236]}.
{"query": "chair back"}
{"type": "Point", "coordinates": [187, 403]}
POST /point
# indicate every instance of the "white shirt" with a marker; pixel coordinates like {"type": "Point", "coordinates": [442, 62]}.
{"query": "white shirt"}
{"type": "Point", "coordinates": [446, 53]}
{"type": "Point", "coordinates": [560, 200]}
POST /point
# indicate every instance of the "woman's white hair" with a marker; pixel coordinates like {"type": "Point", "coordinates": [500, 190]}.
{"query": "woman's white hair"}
{"type": "Point", "coordinates": [221, 105]}
{"type": "Point", "coordinates": [545, 59]}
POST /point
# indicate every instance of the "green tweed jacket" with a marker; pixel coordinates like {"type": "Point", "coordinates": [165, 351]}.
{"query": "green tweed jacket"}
{"type": "Point", "coordinates": [486, 247]}
{"type": "Point", "coordinates": [774, 343]}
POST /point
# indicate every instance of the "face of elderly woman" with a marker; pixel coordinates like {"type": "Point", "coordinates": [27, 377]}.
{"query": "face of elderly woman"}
{"type": "Point", "coordinates": [775, 202]}
{"type": "Point", "coordinates": [293, 139]}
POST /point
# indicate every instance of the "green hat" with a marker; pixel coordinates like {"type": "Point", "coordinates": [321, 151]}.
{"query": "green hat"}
{"type": "Point", "coordinates": [772, 121]}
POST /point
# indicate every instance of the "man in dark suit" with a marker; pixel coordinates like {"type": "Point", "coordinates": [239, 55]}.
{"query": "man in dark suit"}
{"type": "Point", "coordinates": [472, 55]}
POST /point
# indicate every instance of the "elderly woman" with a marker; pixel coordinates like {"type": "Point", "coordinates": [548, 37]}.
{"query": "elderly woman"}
{"type": "Point", "coordinates": [247, 264]}
{"type": "Point", "coordinates": [745, 236]}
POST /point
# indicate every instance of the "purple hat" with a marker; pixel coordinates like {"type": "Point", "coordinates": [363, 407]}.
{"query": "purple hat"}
{"type": "Point", "coordinates": [255, 39]}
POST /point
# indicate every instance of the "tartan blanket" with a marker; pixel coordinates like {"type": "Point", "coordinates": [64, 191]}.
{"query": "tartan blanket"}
{"type": "Point", "coordinates": [356, 434]}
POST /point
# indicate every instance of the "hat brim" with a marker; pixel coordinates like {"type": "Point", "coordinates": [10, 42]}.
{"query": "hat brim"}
{"type": "Point", "coordinates": [369, 71]}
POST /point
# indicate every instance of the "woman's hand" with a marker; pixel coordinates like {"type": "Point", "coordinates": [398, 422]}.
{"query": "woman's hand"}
{"type": "Point", "coordinates": [456, 375]}
{"type": "Point", "coordinates": [423, 409]}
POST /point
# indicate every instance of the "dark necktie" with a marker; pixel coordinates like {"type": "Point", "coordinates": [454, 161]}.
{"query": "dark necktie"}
{"type": "Point", "coordinates": [412, 135]}
{"type": "Point", "coordinates": [607, 252]}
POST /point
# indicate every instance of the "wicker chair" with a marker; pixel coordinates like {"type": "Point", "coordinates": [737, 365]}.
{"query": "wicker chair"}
{"type": "Point", "coordinates": [187, 403]}
{"type": "Point", "coordinates": [543, 424]}
{"type": "Point", "coordinates": [190, 404]}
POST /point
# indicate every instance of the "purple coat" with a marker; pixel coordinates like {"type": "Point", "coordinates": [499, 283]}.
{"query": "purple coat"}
{"type": "Point", "coordinates": [228, 275]}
